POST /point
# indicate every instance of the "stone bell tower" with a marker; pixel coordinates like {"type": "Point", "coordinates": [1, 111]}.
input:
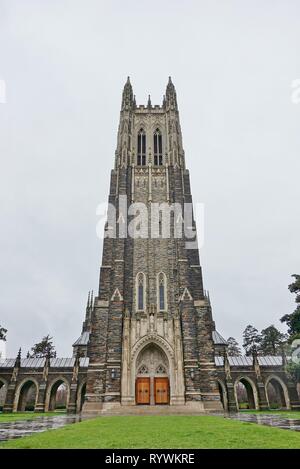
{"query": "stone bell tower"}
{"type": "Point", "coordinates": [151, 325]}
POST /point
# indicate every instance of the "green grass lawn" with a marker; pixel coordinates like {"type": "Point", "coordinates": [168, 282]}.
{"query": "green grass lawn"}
{"type": "Point", "coordinates": [160, 432]}
{"type": "Point", "coordinates": [25, 416]}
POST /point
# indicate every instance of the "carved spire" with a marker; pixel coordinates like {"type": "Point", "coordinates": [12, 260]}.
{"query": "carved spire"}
{"type": "Point", "coordinates": [171, 99]}
{"type": "Point", "coordinates": [226, 365]}
{"type": "Point", "coordinates": [127, 97]}
{"type": "Point", "coordinates": [88, 301]}
{"type": "Point", "coordinates": [18, 359]}
{"type": "Point", "coordinates": [92, 299]}
{"type": "Point", "coordinates": [256, 365]}
{"type": "Point", "coordinates": [149, 105]}
{"type": "Point", "coordinates": [46, 365]}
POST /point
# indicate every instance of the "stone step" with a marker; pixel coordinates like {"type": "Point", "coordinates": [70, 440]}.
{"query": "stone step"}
{"type": "Point", "coordinates": [152, 410]}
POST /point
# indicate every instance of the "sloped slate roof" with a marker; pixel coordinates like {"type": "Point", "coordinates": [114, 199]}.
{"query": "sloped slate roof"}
{"type": "Point", "coordinates": [218, 339]}
{"type": "Point", "coordinates": [83, 339]}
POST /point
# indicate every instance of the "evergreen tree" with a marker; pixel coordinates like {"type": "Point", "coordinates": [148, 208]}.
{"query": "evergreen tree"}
{"type": "Point", "coordinates": [233, 348]}
{"type": "Point", "coordinates": [251, 339]}
{"type": "Point", "coordinates": [3, 332]}
{"type": "Point", "coordinates": [272, 341]}
{"type": "Point", "coordinates": [293, 320]}
{"type": "Point", "coordinates": [43, 348]}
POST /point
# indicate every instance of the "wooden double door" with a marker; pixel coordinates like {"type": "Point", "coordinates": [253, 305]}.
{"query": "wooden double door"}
{"type": "Point", "coordinates": [152, 390]}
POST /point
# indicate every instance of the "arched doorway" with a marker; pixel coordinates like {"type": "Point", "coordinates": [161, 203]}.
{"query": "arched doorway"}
{"type": "Point", "coordinates": [246, 395]}
{"type": "Point", "coordinates": [58, 396]}
{"type": "Point", "coordinates": [27, 396]}
{"type": "Point", "coordinates": [223, 395]}
{"type": "Point", "coordinates": [3, 391]}
{"type": "Point", "coordinates": [152, 376]}
{"type": "Point", "coordinates": [277, 393]}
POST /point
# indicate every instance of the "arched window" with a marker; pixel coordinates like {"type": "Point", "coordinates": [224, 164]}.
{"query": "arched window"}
{"type": "Point", "coordinates": [140, 291]}
{"type": "Point", "coordinates": [162, 292]}
{"type": "Point", "coordinates": [157, 148]}
{"type": "Point", "coordinates": [141, 145]}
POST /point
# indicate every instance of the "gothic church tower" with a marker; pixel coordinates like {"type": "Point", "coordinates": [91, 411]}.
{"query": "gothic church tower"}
{"type": "Point", "coordinates": [151, 325]}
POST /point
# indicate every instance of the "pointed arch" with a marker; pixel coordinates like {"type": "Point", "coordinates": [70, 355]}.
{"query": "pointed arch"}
{"type": "Point", "coordinates": [81, 391]}
{"type": "Point", "coordinates": [223, 394]}
{"type": "Point", "coordinates": [116, 296]}
{"type": "Point", "coordinates": [3, 391]}
{"type": "Point", "coordinates": [161, 291]}
{"type": "Point", "coordinates": [26, 394]}
{"type": "Point", "coordinates": [140, 288]}
{"type": "Point", "coordinates": [251, 390]}
{"type": "Point", "coordinates": [51, 396]}
{"type": "Point", "coordinates": [281, 390]}
{"type": "Point", "coordinates": [157, 148]}
{"type": "Point", "coordinates": [186, 295]}
{"type": "Point", "coordinates": [141, 147]}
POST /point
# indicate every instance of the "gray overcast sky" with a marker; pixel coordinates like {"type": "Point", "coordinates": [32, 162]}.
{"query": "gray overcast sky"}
{"type": "Point", "coordinates": [64, 64]}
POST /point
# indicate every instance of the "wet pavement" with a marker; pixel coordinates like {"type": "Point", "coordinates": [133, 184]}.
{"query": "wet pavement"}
{"type": "Point", "coordinates": [272, 420]}
{"type": "Point", "coordinates": [19, 428]}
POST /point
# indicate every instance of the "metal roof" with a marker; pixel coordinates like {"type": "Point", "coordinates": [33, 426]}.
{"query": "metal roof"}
{"type": "Point", "coordinates": [40, 362]}
{"type": "Point", "coordinates": [62, 362]}
{"type": "Point", "coordinates": [33, 362]}
{"type": "Point", "coordinates": [83, 339]}
{"type": "Point", "coordinates": [248, 361]}
{"type": "Point", "coordinates": [7, 363]}
{"type": "Point", "coordinates": [84, 362]}
{"type": "Point", "coordinates": [219, 361]}
{"type": "Point", "coordinates": [218, 339]}
{"type": "Point", "coordinates": [270, 360]}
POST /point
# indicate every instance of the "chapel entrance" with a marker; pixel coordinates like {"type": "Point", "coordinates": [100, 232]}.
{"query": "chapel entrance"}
{"type": "Point", "coordinates": [143, 391]}
{"type": "Point", "coordinates": [161, 390]}
{"type": "Point", "coordinates": [152, 376]}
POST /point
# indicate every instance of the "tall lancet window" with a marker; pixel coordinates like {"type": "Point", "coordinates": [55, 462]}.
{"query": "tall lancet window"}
{"type": "Point", "coordinates": [162, 292]}
{"type": "Point", "coordinates": [157, 147]}
{"type": "Point", "coordinates": [140, 291]}
{"type": "Point", "coordinates": [141, 148]}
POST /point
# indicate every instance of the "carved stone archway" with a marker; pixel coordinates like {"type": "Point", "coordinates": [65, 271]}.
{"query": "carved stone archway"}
{"type": "Point", "coordinates": [27, 390]}
{"type": "Point", "coordinates": [3, 391]}
{"type": "Point", "coordinates": [80, 396]}
{"type": "Point", "coordinates": [251, 390]}
{"type": "Point", "coordinates": [171, 368]}
{"type": "Point", "coordinates": [281, 390]}
{"type": "Point", "coordinates": [152, 363]}
{"type": "Point", "coordinates": [223, 394]}
{"type": "Point", "coordinates": [52, 390]}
